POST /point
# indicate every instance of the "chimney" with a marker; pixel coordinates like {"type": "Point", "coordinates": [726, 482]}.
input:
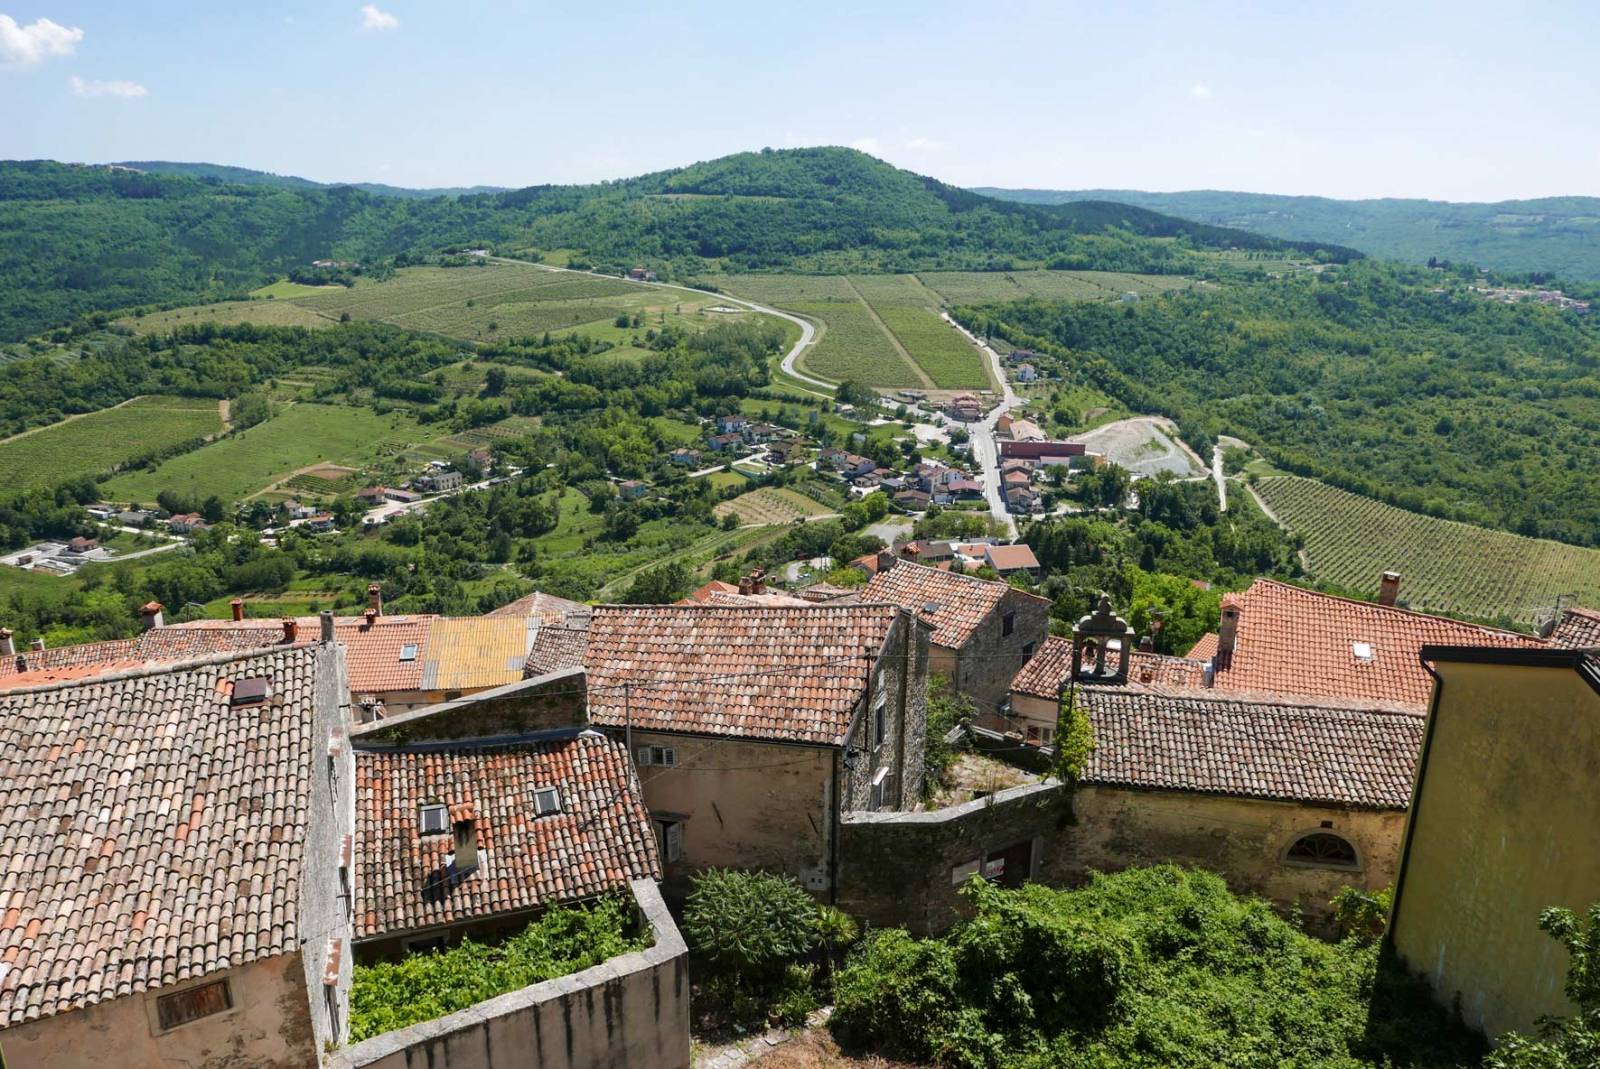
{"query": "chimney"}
{"type": "Point", "coordinates": [327, 625]}
{"type": "Point", "coordinates": [1228, 632]}
{"type": "Point", "coordinates": [885, 560]}
{"type": "Point", "coordinates": [374, 599]}
{"type": "Point", "coordinates": [758, 581]}
{"type": "Point", "coordinates": [38, 644]}
{"type": "Point", "coordinates": [747, 585]}
{"type": "Point", "coordinates": [1147, 644]}
{"type": "Point", "coordinates": [237, 605]}
{"type": "Point", "coordinates": [151, 615]}
{"type": "Point", "coordinates": [1389, 588]}
{"type": "Point", "coordinates": [464, 822]}
{"type": "Point", "coordinates": [371, 616]}
{"type": "Point", "coordinates": [8, 645]}
{"type": "Point", "coordinates": [290, 627]}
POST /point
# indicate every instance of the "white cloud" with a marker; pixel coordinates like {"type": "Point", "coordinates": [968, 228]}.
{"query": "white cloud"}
{"type": "Point", "coordinates": [870, 145]}
{"type": "Point", "coordinates": [23, 46]}
{"type": "Point", "coordinates": [94, 88]}
{"type": "Point", "coordinates": [1200, 91]}
{"type": "Point", "coordinates": [374, 19]}
{"type": "Point", "coordinates": [924, 144]}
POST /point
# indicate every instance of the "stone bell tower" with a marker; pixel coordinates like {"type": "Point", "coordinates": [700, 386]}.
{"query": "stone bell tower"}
{"type": "Point", "coordinates": [1096, 640]}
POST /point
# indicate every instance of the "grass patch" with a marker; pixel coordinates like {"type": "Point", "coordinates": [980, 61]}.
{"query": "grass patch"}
{"type": "Point", "coordinates": [981, 287]}
{"type": "Point", "coordinates": [299, 436]}
{"type": "Point", "coordinates": [99, 441]}
{"type": "Point", "coordinates": [228, 314]}
{"type": "Point", "coordinates": [283, 290]}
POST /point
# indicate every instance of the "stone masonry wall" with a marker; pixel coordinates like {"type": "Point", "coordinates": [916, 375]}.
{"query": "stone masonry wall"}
{"type": "Point", "coordinates": [990, 659]}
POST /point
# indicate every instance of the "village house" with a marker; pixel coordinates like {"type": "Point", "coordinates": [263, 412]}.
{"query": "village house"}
{"type": "Point", "coordinates": [1020, 499]}
{"type": "Point", "coordinates": [1012, 560]}
{"type": "Point", "coordinates": [404, 497]}
{"type": "Point", "coordinates": [185, 904]}
{"type": "Point", "coordinates": [913, 500]}
{"type": "Point", "coordinates": [732, 423]}
{"type": "Point", "coordinates": [1044, 451]}
{"type": "Point", "coordinates": [545, 608]}
{"type": "Point", "coordinates": [632, 489]}
{"type": "Point", "coordinates": [1024, 373]}
{"type": "Point", "coordinates": [755, 726]}
{"type": "Point", "coordinates": [297, 510]}
{"type": "Point", "coordinates": [372, 495]}
{"type": "Point", "coordinates": [721, 443]}
{"type": "Point", "coordinates": [964, 407]}
{"type": "Point", "coordinates": [438, 482]}
{"type": "Point", "coordinates": [641, 274]}
{"type": "Point", "coordinates": [1502, 827]}
{"type": "Point", "coordinates": [685, 458]}
{"type": "Point", "coordinates": [81, 545]}
{"type": "Point", "coordinates": [482, 460]}
{"type": "Point", "coordinates": [319, 523]}
{"type": "Point", "coordinates": [983, 631]}
{"type": "Point", "coordinates": [186, 523]}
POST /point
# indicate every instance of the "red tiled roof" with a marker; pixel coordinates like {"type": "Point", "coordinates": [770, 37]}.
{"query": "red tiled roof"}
{"type": "Point", "coordinates": [600, 840]}
{"type": "Point", "coordinates": [953, 604]}
{"type": "Point", "coordinates": [546, 607]}
{"type": "Point", "coordinates": [703, 594]}
{"type": "Point", "coordinates": [767, 672]}
{"type": "Point", "coordinates": [1204, 648]}
{"type": "Point", "coordinates": [1009, 558]}
{"type": "Point", "coordinates": [1253, 746]}
{"type": "Point", "coordinates": [1293, 641]}
{"type": "Point", "coordinates": [1577, 629]}
{"type": "Point", "coordinates": [161, 645]}
{"type": "Point", "coordinates": [372, 652]}
{"type": "Point", "coordinates": [151, 832]}
{"type": "Point", "coordinates": [770, 597]}
{"type": "Point", "coordinates": [1045, 671]}
{"type": "Point", "coordinates": [556, 648]}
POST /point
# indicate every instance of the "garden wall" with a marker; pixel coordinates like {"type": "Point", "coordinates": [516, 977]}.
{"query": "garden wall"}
{"type": "Point", "coordinates": [631, 1011]}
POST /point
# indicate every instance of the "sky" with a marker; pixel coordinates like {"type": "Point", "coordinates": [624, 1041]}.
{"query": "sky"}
{"type": "Point", "coordinates": [1458, 101]}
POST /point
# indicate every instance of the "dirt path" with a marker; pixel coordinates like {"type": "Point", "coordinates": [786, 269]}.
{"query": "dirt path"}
{"type": "Point", "coordinates": [225, 410]}
{"type": "Point", "coordinates": [905, 354]}
{"type": "Point", "coordinates": [1261, 503]}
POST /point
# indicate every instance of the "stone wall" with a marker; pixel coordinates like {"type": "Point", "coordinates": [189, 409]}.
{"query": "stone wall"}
{"type": "Point", "coordinates": [547, 703]}
{"type": "Point", "coordinates": [326, 903]}
{"type": "Point", "coordinates": [900, 680]}
{"type": "Point", "coordinates": [990, 659]}
{"type": "Point", "coordinates": [631, 1012]}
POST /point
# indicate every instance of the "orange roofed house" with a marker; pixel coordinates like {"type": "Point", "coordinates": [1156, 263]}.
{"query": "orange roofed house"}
{"type": "Point", "coordinates": [983, 631]}
{"type": "Point", "coordinates": [754, 726]}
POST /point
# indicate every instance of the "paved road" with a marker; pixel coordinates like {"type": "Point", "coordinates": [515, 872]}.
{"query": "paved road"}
{"type": "Point", "coordinates": [1216, 473]}
{"type": "Point", "coordinates": [985, 448]}
{"type": "Point", "coordinates": [808, 332]}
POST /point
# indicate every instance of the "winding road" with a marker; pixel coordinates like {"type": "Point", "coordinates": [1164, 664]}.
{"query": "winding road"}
{"type": "Point", "coordinates": [985, 447]}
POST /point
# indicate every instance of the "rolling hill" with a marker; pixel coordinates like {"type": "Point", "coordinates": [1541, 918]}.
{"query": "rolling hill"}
{"type": "Point", "coordinates": [1553, 235]}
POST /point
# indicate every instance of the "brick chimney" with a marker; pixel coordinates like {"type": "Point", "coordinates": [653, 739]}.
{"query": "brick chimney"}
{"type": "Point", "coordinates": [237, 605]}
{"type": "Point", "coordinates": [464, 822]}
{"type": "Point", "coordinates": [8, 644]}
{"type": "Point", "coordinates": [1389, 588]}
{"type": "Point", "coordinates": [36, 645]}
{"type": "Point", "coordinates": [291, 627]}
{"type": "Point", "coordinates": [758, 581]}
{"type": "Point", "coordinates": [747, 585]}
{"type": "Point", "coordinates": [371, 616]}
{"type": "Point", "coordinates": [375, 599]}
{"type": "Point", "coordinates": [150, 613]}
{"type": "Point", "coordinates": [1228, 631]}
{"type": "Point", "coordinates": [327, 625]}
{"type": "Point", "coordinates": [886, 559]}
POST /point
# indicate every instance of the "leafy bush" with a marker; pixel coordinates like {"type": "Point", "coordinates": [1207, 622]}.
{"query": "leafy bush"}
{"type": "Point", "coordinates": [749, 923]}
{"type": "Point", "coordinates": [1572, 1042]}
{"type": "Point", "coordinates": [946, 709]}
{"type": "Point", "coordinates": [420, 987]}
{"type": "Point", "coordinates": [1149, 967]}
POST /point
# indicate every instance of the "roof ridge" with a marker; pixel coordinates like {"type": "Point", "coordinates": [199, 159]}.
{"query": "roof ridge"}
{"type": "Point", "coordinates": [161, 668]}
{"type": "Point", "coordinates": [1387, 608]}
{"type": "Point", "coordinates": [1282, 700]}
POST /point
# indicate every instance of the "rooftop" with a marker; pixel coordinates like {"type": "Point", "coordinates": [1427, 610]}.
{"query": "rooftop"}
{"type": "Point", "coordinates": [1047, 669]}
{"type": "Point", "coordinates": [556, 648]}
{"type": "Point", "coordinates": [600, 839]}
{"type": "Point", "coordinates": [162, 645]}
{"type": "Point", "coordinates": [1255, 746]}
{"type": "Point", "coordinates": [787, 673]}
{"type": "Point", "coordinates": [546, 607]}
{"type": "Point", "coordinates": [954, 605]}
{"type": "Point", "coordinates": [153, 832]}
{"type": "Point", "coordinates": [1577, 629]}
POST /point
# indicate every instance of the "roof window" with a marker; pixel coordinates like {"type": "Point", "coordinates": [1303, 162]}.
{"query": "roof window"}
{"type": "Point", "coordinates": [408, 652]}
{"type": "Point", "coordinates": [1361, 651]}
{"type": "Point", "coordinates": [546, 800]}
{"type": "Point", "coordinates": [249, 691]}
{"type": "Point", "coordinates": [434, 818]}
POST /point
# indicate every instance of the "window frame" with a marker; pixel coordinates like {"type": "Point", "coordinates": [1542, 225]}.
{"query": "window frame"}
{"type": "Point", "coordinates": [669, 838]}
{"type": "Point", "coordinates": [422, 818]}
{"type": "Point", "coordinates": [656, 756]}
{"type": "Point", "coordinates": [1353, 865]}
{"type": "Point", "coordinates": [159, 1028]}
{"type": "Point", "coordinates": [539, 809]}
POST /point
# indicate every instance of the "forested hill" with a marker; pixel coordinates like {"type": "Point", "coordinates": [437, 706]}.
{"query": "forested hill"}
{"type": "Point", "coordinates": [75, 239]}
{"type": "Point", "coordinates": [217, 172]}
{"type": "Point", "coordinates": [1553, 235]}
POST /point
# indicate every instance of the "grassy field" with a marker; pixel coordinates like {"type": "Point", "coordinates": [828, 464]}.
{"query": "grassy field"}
{"type": "Point", "coordinates": [770, 505]}
{"type": "Point", "coordinates": [1445, 566]}
{"type": "Point", "coordinates": [978, 287]}
{"type": "Point", "coordinates": [97, 442]}
{"type": "Point", "coordinates": [230, 313]}
{"type": "Point", "coordinates": [300, 436]}
{"type": "Point", "coordinates": [283, 289]}
{"type": "Point", "coordinates": [854, 346]}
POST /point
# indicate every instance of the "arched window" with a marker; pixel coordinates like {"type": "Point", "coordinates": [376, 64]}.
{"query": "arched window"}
{"type": "Point", "coordinates": [1323, 848]}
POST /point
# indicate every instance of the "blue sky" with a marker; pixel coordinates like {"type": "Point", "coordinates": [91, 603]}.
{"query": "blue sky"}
{"type": "Point", "coordinates": [1463, 101]}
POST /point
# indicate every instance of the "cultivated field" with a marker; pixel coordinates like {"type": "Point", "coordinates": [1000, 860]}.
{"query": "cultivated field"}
{"type": "Point", "coordinates": [301, 436]}
{"type": "Point", "coordinates": [267, 313]}
{"type": "Point", "coordinates": [854, 346]}
{"type": "Point", "coordinates": [770, 504]}
{"type": "Point", "coordinates": [941, 351]}
{"type": "Point", "coordinates": [99, 441]}
{"type": "Point", "coordinates": [1445, 566]}
{"type": "Point", "coordinates": [978, 287]}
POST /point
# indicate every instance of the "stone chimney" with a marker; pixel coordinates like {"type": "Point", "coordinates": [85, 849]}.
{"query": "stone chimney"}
{"type": "Point", "coordinates": [747, 585]}
{"type": "Point", "coordinates": [464, 822]}
{"type": "Point", "coordinates": [327, 625]}
{"type": "Point", "coordinates": [237, 605]}
{"type": "Point", "coordinates": [8, 644]}
{"type": "Point", "coordinates": [36, 645]}
{"type": "Point", "coordinates": [1228, 631]}
{"type": "Point", "coordinates": [758, 581]}
{"type": "Point", "coordinates": [151, 615]}
{"type": "Point", "coordinates": [375, 599]}
{"type": "Point", "coordinates": [291, 628]}
{"type": "Point", "coordinates": [1389, 588]}
{"type": "Point", "coordinates": [1147, 644]}
{"type": "Point", "coordinates": [371, 616]}
{"type": "Point", "coordinates": [886, 559]}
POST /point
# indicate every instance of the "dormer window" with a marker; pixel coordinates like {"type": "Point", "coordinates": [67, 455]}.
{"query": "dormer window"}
{"type": "Point", "coordinates": [433, 819]}
{"type": "Point", "coordinates": [546, 800]}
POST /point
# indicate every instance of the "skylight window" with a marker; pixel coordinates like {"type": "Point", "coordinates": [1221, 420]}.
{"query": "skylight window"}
{"type": "Point", "coordinates": [408, 652]}
{"type": "Point", "coordinates": [250, 691]}
{"type": "Point", "coordinates": [434, 819]}
{"type": "Point", "coordinates": [1362, 651]}
{"type": "Point", "coordinates": [546, 800]}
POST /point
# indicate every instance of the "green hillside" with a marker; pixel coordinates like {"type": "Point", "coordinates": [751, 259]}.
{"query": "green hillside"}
{"type": "Point", "coordinates": [1552, 235]}
{"type": "Point", "coordinates": [218, 172]}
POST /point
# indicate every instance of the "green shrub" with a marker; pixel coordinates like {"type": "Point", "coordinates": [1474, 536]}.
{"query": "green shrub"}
{"type": "Point", "coordinates": [1565, 1042]}
{"type": "Point", "coordinates": [748, 922]}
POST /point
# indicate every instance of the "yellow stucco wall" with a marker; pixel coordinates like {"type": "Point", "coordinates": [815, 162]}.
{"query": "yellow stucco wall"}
{"type": "Point", "coordinates": [1506, 823]}
{"type": "Point", "coordinates": [269, 1027]}
{"type": "Point", "coordinates": [744, 805]}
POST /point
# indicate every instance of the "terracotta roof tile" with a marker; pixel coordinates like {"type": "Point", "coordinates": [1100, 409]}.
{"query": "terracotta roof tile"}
{"type": "Point", "coordinates": [600, 840]}
{"type": "Point", "coordinates": [545, 607]}
{"type": "Point", "coordinates": [1045, 671]}
{"type": "Point", "coordinates": [772, 672]}
{"type": "Point", "coordinates": [162, 645]}
{"type": "Point", "coordinates": [953, 604]}
{"type": "Point", "coordinates": [1254, 746]}
{"type": "Point", "coordinates": [1204, 648]}
{"type": "Point", "coordinates": [1293, 641]}
{"type": "Point", "coordinates": [556, 648]}
{"type": "Point", "coordinates": [1577, 629]}
{"type": "Point", "coordinates": [151, 832]}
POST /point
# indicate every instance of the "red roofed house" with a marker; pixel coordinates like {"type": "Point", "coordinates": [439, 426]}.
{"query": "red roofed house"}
{"type": "Point", "coordinates": [983, 631]}
{"type": "Point", "coordinates": [754, 727]}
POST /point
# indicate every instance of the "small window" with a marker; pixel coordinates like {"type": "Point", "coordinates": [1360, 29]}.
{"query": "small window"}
{"type": "Point", "coordinates": [880, 727]}
{"type": "Point", "coordinates": [546, 800]}
{"type": "Point", "coordinates": [669, 839]}
{"type": "Point", "coordinates": [184, 1006]}
{"type": "Point", "coordinates": [879, 789]}
{"type": "Point", "coordinates": [665, 756]}
{"type": "Point", "coordinates": [1027, 651]}
{"type": "Point", "coordinates": [1361, 651]}
{"type": "Point", "coordinates": [1323, 848]}
{"type": "Point", "coordinates": [408, 652]}
{"type": "Point", "coordinates": [1008, 623]}
{"type": "Point", "coordinates": [434, 819]}
{"type": "Point", "coordinates": [251, 691]}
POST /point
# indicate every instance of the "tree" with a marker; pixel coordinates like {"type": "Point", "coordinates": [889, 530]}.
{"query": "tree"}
{"type": "Point", "coordinates": [748, 923]}
{"type": "Point", "coordinates": [660, 586]}
{"type": "Point", "coordinates": [1570, 1042]}
{"type": "Point", "coordinates": [494, 382]}
{"type": "Point", "coordinates": [851, 392]}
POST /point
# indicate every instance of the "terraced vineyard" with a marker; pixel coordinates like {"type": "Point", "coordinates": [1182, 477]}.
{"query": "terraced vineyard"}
{"type": "Point", "coordinates": [97, 442]}
{"type": "Point", "coordinates": [1446, 567]}
{"type": "Point", "coordinates": [770, 505]}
